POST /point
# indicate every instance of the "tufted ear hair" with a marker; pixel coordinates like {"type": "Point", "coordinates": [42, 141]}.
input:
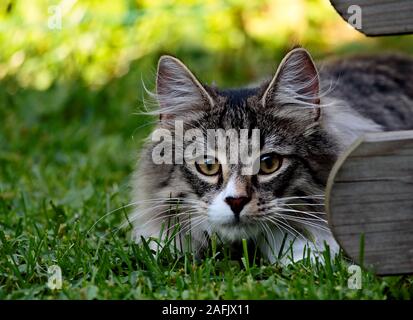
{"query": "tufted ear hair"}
{"type": "Point", "coordinates": [295, 84]}
{"type": "Point", "coordinates": [178, 92]}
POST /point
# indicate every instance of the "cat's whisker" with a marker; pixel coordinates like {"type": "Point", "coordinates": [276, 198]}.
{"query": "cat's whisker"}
{"type": "Point", "coordinates": [307, 200]}
{"type": "Point", "coordinates": [263, 231]}
{"type": "Point", "coordinates": [157, 217]}
{"type": "Point", "coordinates": [281, 227]}
{"type": "Point", "coordinates": [271, 234]}
{"type": "Point", "coordinates": [313, 214]}
{"type": "Point", "coordinates": [151, 211]}
{"type": "Point", "coordinates": [122, 207]}
{"type": "Point", "coordinates": [188, 225]}
{"type": "Point", "coordinates": [317, 196]}
{"type": "Point", "coordinates": [173, 201]}
{"type": "Point", "coordinates": [259, 220]}
{"type": "Point", "coordinates": [149, 123]}
{"type": "Point", "coordinates": [106, 215]}
{"type": "Point", "coordinates": [288, 226]}
{"type": "Point", "coordinates": [161, 215]}
{"type": "Point", "coordinates": [168, 217]}
{"type": "Point", "coordinates": [190, 213]}
{"type": "Point", "coordinates": [284, 232]}
{"type": "Point", "coordinates": [311, 219]}
{"type": "Point", "coordinates": [252, 234]}
{"type": "Point", "coordinates": [192, 226]}
{"type": "Point", "coordinates": [169, 198]}
{"type": "Point", "coordinates": [273, 220]}
{"type": "Point", "coordinates": [281, 224]}
{"type": "Point", "coordinates": [175, 225]}
{"type": "Point", "coordinates": [305, 204]}
{"type": "Point", "coordinates": [205, 239]}
{"type": "Point", "coordinates": [173, 206]}
{"type": "Point", "coordinates": [306, 222]}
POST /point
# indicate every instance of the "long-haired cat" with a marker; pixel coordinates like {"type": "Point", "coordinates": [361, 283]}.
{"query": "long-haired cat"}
{"type": "Point", "coordinates": [306, 119]}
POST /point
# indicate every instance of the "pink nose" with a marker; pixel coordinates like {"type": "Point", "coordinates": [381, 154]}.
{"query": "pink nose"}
{"type": "Point", "coordinates": [237, 204]}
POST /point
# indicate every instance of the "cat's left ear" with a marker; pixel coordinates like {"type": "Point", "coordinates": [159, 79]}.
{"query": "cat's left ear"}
{"type": "Point", "coordinates": [295, 84]}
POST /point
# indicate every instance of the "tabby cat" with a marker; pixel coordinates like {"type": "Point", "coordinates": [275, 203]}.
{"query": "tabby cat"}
{"type": "Point", "coordinates": [306, 119]}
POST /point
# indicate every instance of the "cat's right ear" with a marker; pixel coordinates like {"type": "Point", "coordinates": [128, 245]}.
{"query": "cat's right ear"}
{"type": "Point", "coordinates": [178, 91]}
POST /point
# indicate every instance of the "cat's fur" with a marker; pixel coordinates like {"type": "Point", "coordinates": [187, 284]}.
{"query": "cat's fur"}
{"type": "Point", "coordinates": [308, 117]}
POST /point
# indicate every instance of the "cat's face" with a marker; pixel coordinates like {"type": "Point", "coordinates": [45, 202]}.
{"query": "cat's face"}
{"type": "Point", "coordinates": [294, 156]}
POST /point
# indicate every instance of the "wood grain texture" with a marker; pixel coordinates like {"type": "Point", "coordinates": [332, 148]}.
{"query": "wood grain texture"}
{"type": "Point", "coordinates": [370, 193]}
{"type": "Point", "coordinates": [380, 17]}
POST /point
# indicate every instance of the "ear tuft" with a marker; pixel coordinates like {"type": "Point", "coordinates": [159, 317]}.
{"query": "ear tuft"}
{"type": "Point", "coordinates": [295, 83]}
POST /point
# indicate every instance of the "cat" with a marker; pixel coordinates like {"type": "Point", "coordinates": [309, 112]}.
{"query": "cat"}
{"type": "Point", "coordinates": [306, 118]}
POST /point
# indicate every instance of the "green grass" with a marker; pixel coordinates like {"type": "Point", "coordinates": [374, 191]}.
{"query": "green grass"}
{"type": "Point", "coordinates": [66, 155]}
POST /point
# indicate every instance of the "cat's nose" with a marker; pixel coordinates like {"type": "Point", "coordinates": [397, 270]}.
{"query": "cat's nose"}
{"type": "Point", "coordinates": [237, 203]}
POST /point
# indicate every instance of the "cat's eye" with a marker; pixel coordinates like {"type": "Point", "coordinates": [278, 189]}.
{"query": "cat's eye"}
{"type": "Point", "coordinates": [270, 163]}
{"type": "Point", "coordinates": [208, 166]}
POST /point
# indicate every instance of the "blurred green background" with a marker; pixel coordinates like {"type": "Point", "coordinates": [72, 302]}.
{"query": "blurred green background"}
{"type": "Point", "coordinates": [70, 93]}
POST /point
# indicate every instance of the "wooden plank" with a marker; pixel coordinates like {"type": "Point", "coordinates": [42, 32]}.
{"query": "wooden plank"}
{"type": "Point", "coordinates": [379, 17]}
{"type": "Point", "coordinates": [370, 192]}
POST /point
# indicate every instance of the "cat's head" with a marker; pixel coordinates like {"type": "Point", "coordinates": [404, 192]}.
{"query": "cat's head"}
{"type": "Point", "coordinates": [294, 157]}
